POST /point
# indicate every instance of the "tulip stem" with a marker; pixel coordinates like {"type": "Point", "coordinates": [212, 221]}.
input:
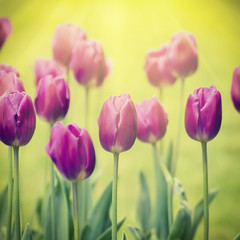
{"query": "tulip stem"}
{"type": "Point", "coordinates": [205, 190]}
{"type": "Point", "coordinates": [75, 211]}
{"type": "Point", "coordinates": [161, 100]}
{"type": "Point", "coordinates": [10, 189]}
{"type": "Point", "coordinates": [16, 193]}
{"type": "Point", "coordinates": [52, 199]}
{"type": "Point", "coordinates": [68, 75]}
{"type": "Point", "coordinates": [114, 196]}
{"type": "Point", "coordinates": [86, 106]}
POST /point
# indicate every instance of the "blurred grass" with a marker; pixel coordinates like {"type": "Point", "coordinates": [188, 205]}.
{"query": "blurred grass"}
{"type": "Point", "coordinates": [127, 29]}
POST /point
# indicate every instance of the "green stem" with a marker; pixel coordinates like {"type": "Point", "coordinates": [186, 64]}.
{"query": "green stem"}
{"type": "Point", "coordinates": [86, 106]}
{"type": "Point", "coordinates": [52, 199]}
{"type": "Point", "coordinates": [68, 75]}
{"type": "Point", "coordinates": [161, 100]}
{"type": "Point", "coordinates": [75, 211]}
{"type": "Point", "coordinates": [10, 189]}
{"type": "Point", "coordinates": [16, 193]}
{"type": "Point", "coordinates": [179, 124]}
{"type": "Point", "coordinates": [114, 196]}
{"type": "Point", "coordinates": [205, 190]}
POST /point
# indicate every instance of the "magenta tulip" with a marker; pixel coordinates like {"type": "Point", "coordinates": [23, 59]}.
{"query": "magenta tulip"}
{"type": "Point", "coordinates": [235, 89]}
{"type": "Point", "coordinates": [203, 114]}
{"type": "Point", "coordinates": [88, 63]}
{"type": "Point", "coordinates": [66, 35]}
{"type": "Point", "coordinates": [5, 30]}
{"type": "Point", "coordinates": [8, 68]}
{"type": "Point", "coordinates": [118, 124]}
{"type": "Point", "coordinates": [183, 54]}
{"type": "Point", "coordinates": [52, 98]}
{"type": "Point", "coordinates": [151, 120]}
{"type": "Point", "coordinates": [17, 118]}
{"type": "Point", "coordinates": [157, 67]}
{"type": "Point", "coordinates": [71, 149]}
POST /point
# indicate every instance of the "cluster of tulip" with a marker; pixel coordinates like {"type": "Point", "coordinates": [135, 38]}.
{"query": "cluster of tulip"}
{"type": "Point", "coordinates": [120, 123]}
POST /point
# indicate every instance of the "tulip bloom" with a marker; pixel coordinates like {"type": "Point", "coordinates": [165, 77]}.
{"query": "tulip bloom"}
{"type": "Point", "coordinates": [71, 149]}
{"type": "Point", "coordinates": [118, 124]}
{"type": "Point", "coordinates": [157, 67]}
{"type": "Point", "coordinates": [203, 114]}
{"type": "Point", "coordinates": [183, 54]}
{"type": "Point", "coordinates": [65, 37]}
{"type": "Point", "coordinates": [45, 67]}
{"type": "Point", "coordinates": [52, 98]}
{"type": "Point", "coordinates": [5, 30]}
{"type": "Point", "coordinates": [8, 69]}
{"type": "Point", "coordinates": [17, 118]}
{"type": "Point", "coordinates": [88, 63]}
{"type": "Point", "coordinates": [235, 89]}
{"type": "Point", "coordinates": [151, 120]}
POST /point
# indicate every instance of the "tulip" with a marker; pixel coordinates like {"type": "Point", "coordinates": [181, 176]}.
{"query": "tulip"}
{"type": "Point", "coordinates": [203, 114]}
{"type": "Point", "coordinates": [9, 82]}
{"type": "Point", "coordinates": [151, 120]}
{"type": "Point", "coordinates": [183, 54]}
{"type": "Point", "coordinates": [52, 98]}
{"type": "Point", "coordinates": [88, 63]}
{"type": "Point", "coordinates": [66, 35]}
{"type": "Point", "coordinates": [235, 89]}
{"type": "Point", "coordinates": [118, 124]}
{"type": "Point", "coordinates": [8, 69]}
{"type": "Point", "coordinates": [45, 67]}
{"type": "Point", "coordinates": [157, 67]}
{"type": "Point", "coordinates": [5, 30]}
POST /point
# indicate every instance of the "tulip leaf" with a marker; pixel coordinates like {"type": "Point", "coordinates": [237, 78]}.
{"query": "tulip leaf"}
{"type": "Point", "coordinates": [3, 206]}
{"type": "Point", "coordinates": [237, 237]}
{"type": "Point", "coordinates": [96, 224]}
{"type": "Point", "coordinates": [27, 234]}
{"type": "Point", "coordinates": [169, 156]}
{"type": "Point", "coordinates": [124, 236]}
{"type": "Point", "coordinates": [137, 234]}
{"type": "Point", "coordinates": [144, 204]}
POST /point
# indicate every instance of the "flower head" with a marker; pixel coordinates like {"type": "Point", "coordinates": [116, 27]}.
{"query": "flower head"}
{"type": "Point", "coordinates": [235, 89]}
{"type": "Point", "coordinates": [5, 30]}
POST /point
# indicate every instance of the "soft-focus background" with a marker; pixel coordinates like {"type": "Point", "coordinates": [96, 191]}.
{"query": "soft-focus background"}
{"type": "Point", "coordinates": [127, 29]}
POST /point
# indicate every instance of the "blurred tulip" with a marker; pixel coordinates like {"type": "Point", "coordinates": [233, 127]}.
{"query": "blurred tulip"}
{"type": "Point", "coordinates": [235, 89]}
{"type": "Point", "coordinates": [118, 124]}
{"type": "Point", "coordinates": [5, 30]}
{"type": "Point", "coordinates": [88, 63]}
{"type": "Point", "coordinates": [8, 68]}
{"type": "Point", "coordinates": [52, 98]}
{"type": "Point", "coordinates": [151, 120]}
{"type": "Point", "coordinates": [203, 114]}
{"type": "Point", "coordinates": [66, 35]}
{"type": "Point", "coordinates": [183, 54]}
{"type": "Point", "coordinates": [17, 118]}
{"type": "Point", "coordinates": [9, 82]}
{"type": "Point", "coordinates": [71, 149]}
{"type": "Point", "coordinates": [157, 67]}
{"type": "Point", "coordinates": [44, 67]}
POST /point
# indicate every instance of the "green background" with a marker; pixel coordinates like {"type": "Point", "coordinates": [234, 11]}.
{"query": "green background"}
{"type": "Point", "coordinates": [127, 29]}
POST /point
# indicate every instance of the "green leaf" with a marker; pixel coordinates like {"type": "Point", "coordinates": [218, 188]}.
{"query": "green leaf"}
{"type": "Point", "coordinates": [3, 206]}
{"type": "Point", "coordinates": [144, 204]}
{"type": "Point", "coordinates": [169, 156]}
{"type": "Point", "coordinates": [27, 235]}
{"type": "Point", "coordinates": [198, 212]}
{"type": "Point", "coordinates": [96, 225]}
{"type": "Point", "coordinates": [237, 237]}
{"type": "Point", "coordinates": [124, 236]}
{"type": "Point", "coordinates": [107, 234]}
{"type": "Point", "coordinates": [137, 234]}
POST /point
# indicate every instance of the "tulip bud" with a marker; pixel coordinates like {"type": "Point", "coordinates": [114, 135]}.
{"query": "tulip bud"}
{"type": "Point", "coordinates": [157, 67]}
{"type": "Point", "coordinates": [8, 69]}
{"type": "Point", "coordinates": [235, 89]}
{"type": "Point", "coordinates": [203, 114]}
{"type": "Point", "coordinates": [88, 63]}
{"type": "Point", "coordinates": [118, 124]}
{"type": "Point", "coordinates": [65, 37]}
{"type": "Point", "coordinates": [183, 54]}
{"type": "Point", "coordinates": [9, 82]}
{"type": "Point", "coordinates": [45, 67]}
{"type": "Point", "coordinates": [5, 30]}
{"type": "Point", "coordinates": [52, 98]}
{"type": "Point", "coordinates": [17, 118]}
{"type": "Point", "coordinates": [151, 120]}
{"type": "Point", "coordinates": [71, 149]}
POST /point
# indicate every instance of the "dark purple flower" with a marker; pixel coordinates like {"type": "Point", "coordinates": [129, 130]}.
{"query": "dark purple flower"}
{"type": "Point", "coordinates": [235, 89]}
{"type": "Point", "coordinates": [8, 68]}
{"type": "Point", "coordinates": [17, 118]}
{"type": "Point", "coordinates": [71, 149]}
{"type": "Point", "coordinates": [203, 114]}
{"type": "Point", "coordinates": [5, 30]}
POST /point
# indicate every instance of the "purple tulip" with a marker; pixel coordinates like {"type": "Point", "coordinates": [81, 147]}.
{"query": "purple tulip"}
{"type": "Point", "coordinates": [235, 89]}
{"type": "Point", "coordinates": [5, 30]}
{"type": "Point", "coordinates": [151, 120]}
{"type": "Point", "coordinates": [52, 98]}
{"type": "Point", "coordinates": [65, 37]}
{"type": "Point", "coordinates": [88, 63]}
{"type": "Point", "coordinates": [118, 124]}
{"type": "Point", "coordinates": [17, 118]}
{"type": "Point", "coordinates": [44, 67]}
{"type": "Point", "coordinates": [157, 67]}
{"type": "Point", "coordinates": [71, 149]}
{"type": "Point", "coordinates": [183, 54]}
{"type": "Point", "coordinates": [203, 114]}
{"type": "Point", "coordinates": [8, 69]}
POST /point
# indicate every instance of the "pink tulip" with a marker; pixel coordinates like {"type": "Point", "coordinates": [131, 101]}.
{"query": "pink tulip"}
{"type": "Point", "coordinates": [8, 68]}
{"type": "Point", "coordinates": [5, 30]}
{"type": "Point", "coordinates": [235, 89]}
